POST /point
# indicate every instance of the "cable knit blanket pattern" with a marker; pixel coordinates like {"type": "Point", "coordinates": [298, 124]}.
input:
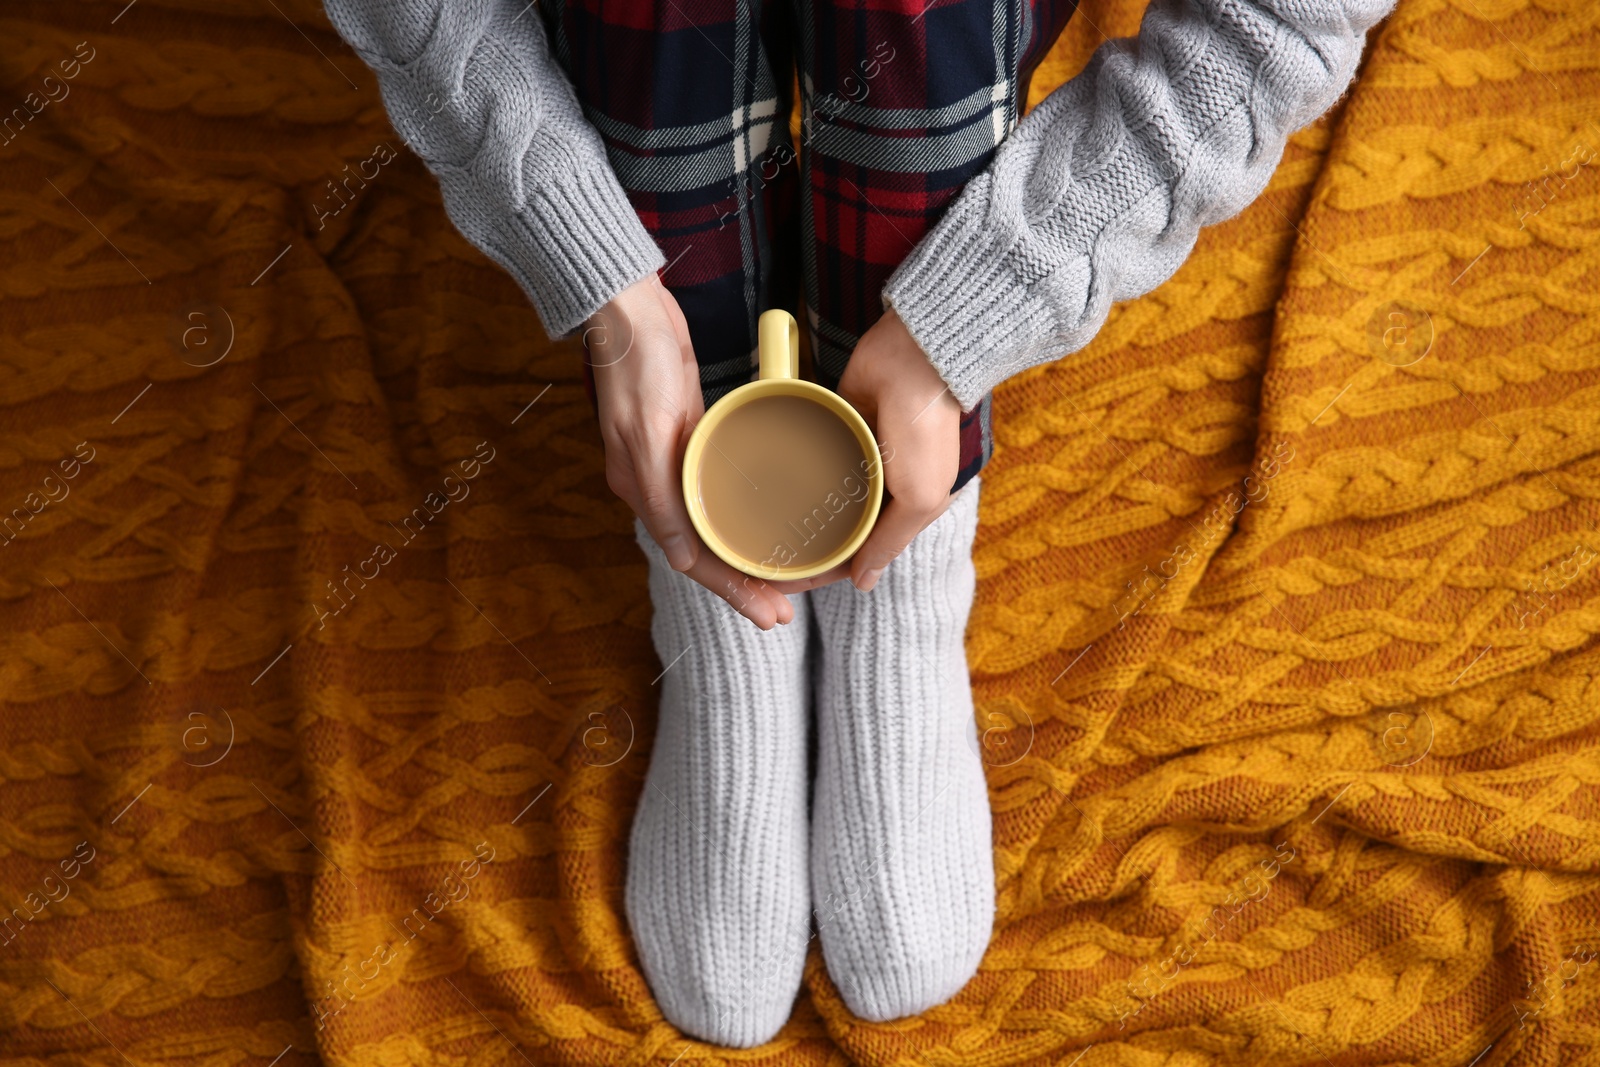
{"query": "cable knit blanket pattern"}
{"type": "Point", "coordinates": [326, 679]}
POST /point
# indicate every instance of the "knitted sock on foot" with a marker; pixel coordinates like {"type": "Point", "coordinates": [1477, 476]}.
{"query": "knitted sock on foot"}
{"type": "Point", "coordinates": [718, 895]}
{"type": "Point", "coordinates": [902, 870]}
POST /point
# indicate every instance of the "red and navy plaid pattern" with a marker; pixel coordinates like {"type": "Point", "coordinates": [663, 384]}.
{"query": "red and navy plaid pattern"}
{"type": "Point", "coordinates": [903, 102]}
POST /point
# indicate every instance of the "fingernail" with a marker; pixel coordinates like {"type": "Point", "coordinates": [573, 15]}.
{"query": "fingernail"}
{"type": "Point", "coordinates": [677, 550]}
{"type": "Point", "coordinates": [869, 579]}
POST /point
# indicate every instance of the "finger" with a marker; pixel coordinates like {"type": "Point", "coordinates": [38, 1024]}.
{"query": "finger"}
{"type": "Point", "coordinates": [861, 399]}
{"type": "Point", "coordinates": [855, 383]}
{"type": "Point", "coordinates": [695, 398]}
{"type": "Point", "coordinates": [897, 526]}
{"type": "Point", "coordinates": [915, 497]}
{"type": "Point", "coordinates": [917, 488]}
{"type": "Point", "coordinates": [691, 366]}
{"type": "Point", "coordinates": [657, 468]}
{"type": "Point", "coordinates": [750, 597]}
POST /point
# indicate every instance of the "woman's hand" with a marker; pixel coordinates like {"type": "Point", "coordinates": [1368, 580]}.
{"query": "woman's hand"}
{"type": "Point", "coordinates": [917, 421]}
{"type": "Point", "coordinates": [648, 387]}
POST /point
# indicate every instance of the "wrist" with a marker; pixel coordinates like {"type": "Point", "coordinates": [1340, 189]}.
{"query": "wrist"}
{"type": "Point", "coordinates": [904, 362]}
{"type": "Point", "coordinates": [608, 334]}
{"type": "Point", "coordinates": [625, 304]}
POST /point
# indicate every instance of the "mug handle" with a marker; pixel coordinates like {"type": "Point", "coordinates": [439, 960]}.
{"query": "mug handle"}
{"type": "Point", "coordinates": [779, 339]}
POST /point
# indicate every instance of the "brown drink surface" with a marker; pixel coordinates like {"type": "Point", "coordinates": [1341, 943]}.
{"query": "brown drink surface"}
{"type": "Point", "coordinates": [784, 481]}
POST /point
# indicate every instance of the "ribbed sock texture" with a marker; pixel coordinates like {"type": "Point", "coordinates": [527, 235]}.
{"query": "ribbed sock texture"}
{"type": "Point", "coordinates": [717, 892]}
{"type": "Point", "coordinates": [901, 863]}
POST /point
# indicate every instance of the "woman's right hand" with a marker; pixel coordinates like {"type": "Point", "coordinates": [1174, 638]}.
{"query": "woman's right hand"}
{"type": "Point", "coordinates": [648, 387]}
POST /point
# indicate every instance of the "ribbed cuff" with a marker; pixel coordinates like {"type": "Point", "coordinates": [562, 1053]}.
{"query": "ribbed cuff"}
{"type": "Point", "coordinates": [962, 300]}
{"type": "Point", "coordinates": [579, 243]}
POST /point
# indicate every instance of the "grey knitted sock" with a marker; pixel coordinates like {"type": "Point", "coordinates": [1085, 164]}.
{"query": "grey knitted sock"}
{"type": "Point", "coordinates": [902, 870]}
{"type": "Point", "coordinates": [717, 891]}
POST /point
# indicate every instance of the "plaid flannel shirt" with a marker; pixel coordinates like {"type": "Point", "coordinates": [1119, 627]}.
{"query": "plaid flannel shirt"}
{"type": "Point", "coordinates": [902, 102]}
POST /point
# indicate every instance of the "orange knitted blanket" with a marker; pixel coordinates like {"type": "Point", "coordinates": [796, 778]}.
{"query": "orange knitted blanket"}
{"type": "Point", "coordinates": [325, 677]}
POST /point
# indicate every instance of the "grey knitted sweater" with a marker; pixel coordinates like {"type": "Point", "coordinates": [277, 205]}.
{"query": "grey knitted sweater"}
{"type": "Point", "coordinates": [1096, 196]}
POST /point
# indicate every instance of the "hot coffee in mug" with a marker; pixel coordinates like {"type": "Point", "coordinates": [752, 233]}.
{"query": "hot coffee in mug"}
{"type": "Point", "coordinates": [782, 477]}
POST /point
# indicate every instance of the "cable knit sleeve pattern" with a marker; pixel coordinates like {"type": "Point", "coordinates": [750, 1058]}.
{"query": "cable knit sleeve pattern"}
{"type": "Point", "coordinates": [1099, 193]}
{"type": "Point", "coordinates": [472, 87]}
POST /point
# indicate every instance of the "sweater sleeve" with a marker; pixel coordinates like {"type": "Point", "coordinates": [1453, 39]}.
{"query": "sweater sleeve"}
{"type": "Point", "coordinates": [472, 88]}
{"type": "Point", "coordinates": [1098, 195]}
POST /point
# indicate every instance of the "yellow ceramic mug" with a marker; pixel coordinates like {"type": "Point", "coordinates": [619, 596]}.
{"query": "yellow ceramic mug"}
{"type": "Point", "coordinates": [779, 350]}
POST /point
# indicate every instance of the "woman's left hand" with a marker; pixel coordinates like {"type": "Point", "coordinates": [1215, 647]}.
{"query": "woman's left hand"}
{"type": "Point", "coordinates": [917, 421]}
